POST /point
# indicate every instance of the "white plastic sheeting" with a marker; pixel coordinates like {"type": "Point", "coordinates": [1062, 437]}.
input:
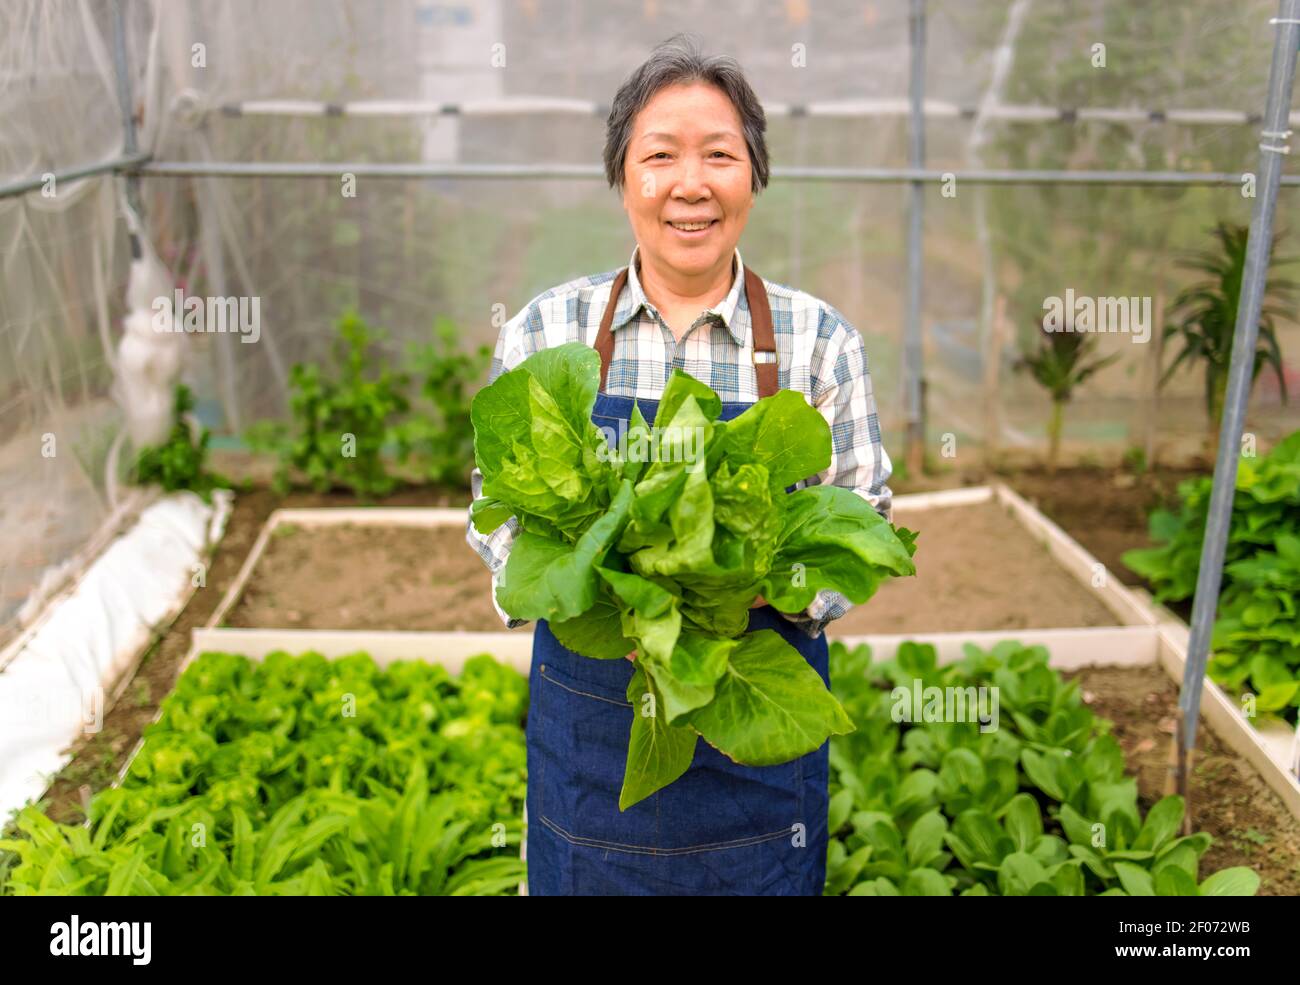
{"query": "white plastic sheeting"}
{"type": "Point", "coordinates": [56, 687]}
{"type": "Point", "coordinates": [63, 270]}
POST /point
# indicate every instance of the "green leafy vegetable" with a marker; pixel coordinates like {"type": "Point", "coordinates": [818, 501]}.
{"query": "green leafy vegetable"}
{"type": "Point", "coordinates": [1256, 640]}
{"type": "Point", "coordinates": [342, 416]}
{"type": "Point", "coordinates": [1034, 802]}
{"type": "Point", "coordinates": [662, 544]}
{"type": "Point", "coordinates": [304, 776]}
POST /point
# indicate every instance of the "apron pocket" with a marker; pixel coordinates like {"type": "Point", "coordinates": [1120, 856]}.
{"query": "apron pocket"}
{"type": "Point", "coordinates": [581, 731]}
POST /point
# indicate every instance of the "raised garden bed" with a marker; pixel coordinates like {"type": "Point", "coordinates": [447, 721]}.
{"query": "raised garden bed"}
{"type": "Point", "coordinates": [352, 576]}
{"type": "Point", "coordinates": [1230, 800]}
{"type": "Point", "coordinates": [414, 789]}
{"type": "Point", "coordinates": [975, 569]}
{"type": "Point", "coordinates": [1249, 824]}
{"type": "Point", "coordinates": [1122, 629]}
{"type": "Point", "coordinates": [411, 569]}
{"type": "Point", "coordinates": [1136, 654]}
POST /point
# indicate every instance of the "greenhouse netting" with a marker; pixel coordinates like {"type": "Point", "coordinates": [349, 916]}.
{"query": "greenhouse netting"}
{"type": "Point", "coordinates": [1035, 85]}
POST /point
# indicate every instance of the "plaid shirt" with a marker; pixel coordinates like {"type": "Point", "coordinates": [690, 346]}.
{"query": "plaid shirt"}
{"type": "Point", "coordinates": [820, 354]}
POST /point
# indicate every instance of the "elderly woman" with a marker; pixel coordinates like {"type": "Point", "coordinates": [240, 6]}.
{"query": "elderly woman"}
{"type": "Point", "coordinates": [685, 146]}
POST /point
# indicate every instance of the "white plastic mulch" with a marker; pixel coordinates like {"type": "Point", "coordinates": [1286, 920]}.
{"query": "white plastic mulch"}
{"type": "Point", "coordinates": [54, 689]}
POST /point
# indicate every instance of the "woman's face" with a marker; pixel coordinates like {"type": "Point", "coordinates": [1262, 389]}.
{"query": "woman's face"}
{"type": "Point", "coordinates": [687, 163]}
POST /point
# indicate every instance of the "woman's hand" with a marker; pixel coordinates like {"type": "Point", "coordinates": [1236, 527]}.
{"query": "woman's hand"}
{"type": "Point", "coordinates": [632, 655]}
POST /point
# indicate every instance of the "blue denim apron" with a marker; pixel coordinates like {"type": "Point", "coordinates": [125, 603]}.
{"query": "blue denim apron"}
{"type": "Point", "coordinates": [720, 829]}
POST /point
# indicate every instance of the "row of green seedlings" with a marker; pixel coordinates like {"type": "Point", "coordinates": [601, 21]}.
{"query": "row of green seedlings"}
{"type": "Point", "coordinates": [1016, 789]}
{"type": "Point", "coordinates": [298, 775]}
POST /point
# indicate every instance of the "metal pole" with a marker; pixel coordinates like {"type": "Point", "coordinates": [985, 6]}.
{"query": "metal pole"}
{"type": "Point", "coordinates": [1240, 375]}
{"type": "Point", "coordinates": [873, 108]}
{"type": "Point", "coordinates": [24, 185]}
{"type": "Point", "coordinates": [913, 352]}
{"type": "Point", "coordinates": [595, 172]}
{"type": "Point", "coordinates": [129, 145]}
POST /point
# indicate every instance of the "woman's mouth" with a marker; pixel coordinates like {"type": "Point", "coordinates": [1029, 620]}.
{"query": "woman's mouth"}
{"type": "Point", "coordinates": [693, 229]}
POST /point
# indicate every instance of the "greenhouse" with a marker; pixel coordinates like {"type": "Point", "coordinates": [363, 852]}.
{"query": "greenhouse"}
{"type": "Point", "coordinates": [652, 447]}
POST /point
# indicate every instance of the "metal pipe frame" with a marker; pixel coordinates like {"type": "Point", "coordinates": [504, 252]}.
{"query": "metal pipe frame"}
{"type": "Point", "coordinates": [316, 169]}
{"type": "Point", "coordinates": [1209, 575]}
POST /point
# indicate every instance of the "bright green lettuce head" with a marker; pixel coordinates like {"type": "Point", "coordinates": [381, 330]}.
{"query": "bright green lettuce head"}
{"type": "Point", "coordinates": [663, 545]}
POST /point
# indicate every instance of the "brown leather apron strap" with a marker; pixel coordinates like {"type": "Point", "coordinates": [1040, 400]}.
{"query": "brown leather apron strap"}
{"type": "Point", "coordinates": [760, 317]}
{"type": "Point", "coordinates": [605, 337]}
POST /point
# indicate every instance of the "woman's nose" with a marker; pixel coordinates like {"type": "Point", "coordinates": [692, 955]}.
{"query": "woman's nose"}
{"type": "Point", "coordinates": [691, 182]}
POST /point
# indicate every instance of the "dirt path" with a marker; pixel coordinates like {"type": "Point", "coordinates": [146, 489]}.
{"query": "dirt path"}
{"type": "Point", "coordinates": [98, 757]}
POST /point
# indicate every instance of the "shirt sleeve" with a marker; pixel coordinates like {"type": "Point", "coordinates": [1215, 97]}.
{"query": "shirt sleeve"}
{"type": "Point", "coordinates": [844, 396]}
{"type": "Point", "coordinates": [494, 548]}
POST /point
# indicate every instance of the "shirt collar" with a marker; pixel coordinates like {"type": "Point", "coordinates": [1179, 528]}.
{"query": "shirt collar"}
{"type": "Point", "coordinates": [729, 309]}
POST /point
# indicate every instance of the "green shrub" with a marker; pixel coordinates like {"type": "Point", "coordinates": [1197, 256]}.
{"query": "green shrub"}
{"type": "Point", "coordinates": [180, 462]}
{"type": "Point", "coordinates": [438, 439]}
{"type": "Point", "coordinates": [341, 419]}
{"type": "Point", "coordinates": [1205, 316]}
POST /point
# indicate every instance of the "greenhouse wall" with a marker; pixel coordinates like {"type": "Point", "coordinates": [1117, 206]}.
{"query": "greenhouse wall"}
{"type": "Point", "coordinates": [403, 252]}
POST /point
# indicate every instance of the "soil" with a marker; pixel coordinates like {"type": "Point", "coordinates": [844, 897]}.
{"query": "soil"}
{"type": "Point", "coordinates": [976, 568]}
{"type": "Point", "coordinates": [366, 577]}
{"type": "Point", "coordinates": [1105, 511]}
{"type": "Point", "coordinates": [1250, 824]}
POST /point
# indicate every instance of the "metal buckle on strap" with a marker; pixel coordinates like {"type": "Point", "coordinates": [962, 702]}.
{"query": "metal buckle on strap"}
{"type": "Point", "coordinates": [764, 356]}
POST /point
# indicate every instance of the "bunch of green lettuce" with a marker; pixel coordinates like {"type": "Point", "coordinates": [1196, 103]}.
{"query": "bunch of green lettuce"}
{"type": "Point", "coordinates": [1256, 641]}
{"type": "Point", "coordinates": [661, 545]}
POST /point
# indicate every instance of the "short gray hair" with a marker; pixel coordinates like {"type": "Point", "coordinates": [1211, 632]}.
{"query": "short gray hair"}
{"type": "Point", "coordinates": [679, 61]}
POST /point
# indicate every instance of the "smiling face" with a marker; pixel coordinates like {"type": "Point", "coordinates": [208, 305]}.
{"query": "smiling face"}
{"type": "Point", "coordinates": [687, 180]}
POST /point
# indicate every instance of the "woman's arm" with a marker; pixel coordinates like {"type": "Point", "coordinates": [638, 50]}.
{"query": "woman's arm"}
{"type": "Point", "coordinates": [494, 548]}
{"type": "Point", "coordinates": [842, 392]}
